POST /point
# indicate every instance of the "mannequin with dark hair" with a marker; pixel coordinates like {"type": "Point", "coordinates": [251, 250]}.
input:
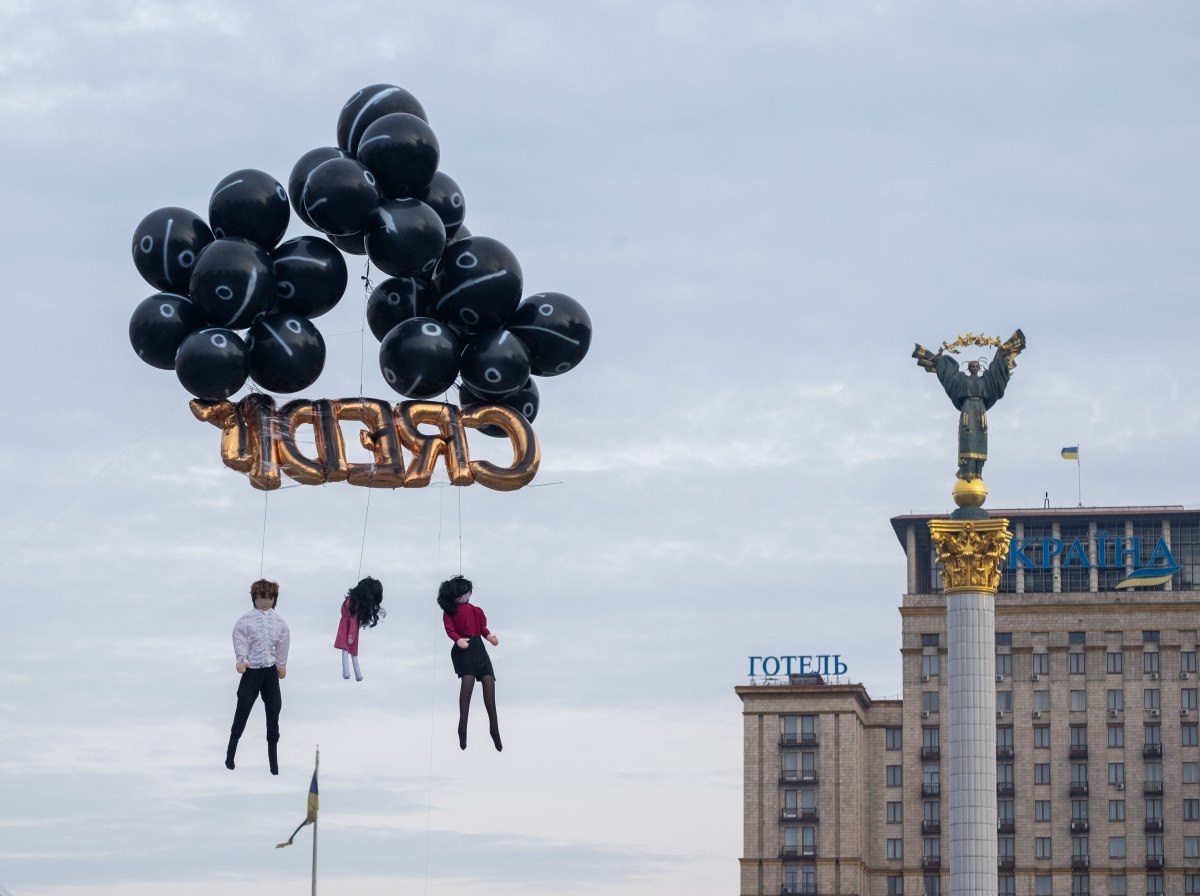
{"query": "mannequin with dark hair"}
{"type": "Point", "coordinates": [466, 626]}
{"type": "Point", "coordinates": [260, 645]}
{"type": "Point", "coordinates": [361, 609]}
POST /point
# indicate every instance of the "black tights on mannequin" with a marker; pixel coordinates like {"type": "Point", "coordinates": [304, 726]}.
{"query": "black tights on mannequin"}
{"type": "Point", "coordinates": [465, 690]}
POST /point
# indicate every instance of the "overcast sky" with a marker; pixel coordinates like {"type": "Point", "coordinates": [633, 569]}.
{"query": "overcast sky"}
{"type": "Point", "coordinates": [763, 206]}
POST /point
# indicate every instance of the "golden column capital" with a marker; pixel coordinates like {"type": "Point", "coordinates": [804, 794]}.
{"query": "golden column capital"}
{"type": "Point", "coordinates": [971, 553]}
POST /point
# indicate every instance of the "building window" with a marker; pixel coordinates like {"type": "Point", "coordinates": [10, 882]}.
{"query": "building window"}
{"type": "Point", "coordinates": [1154, 774]}
{"type": "Point", "coordinates": [1004, 639]}
{"type": "Point", "coordinates": [1154, 850]}
{"type": "Point", "coordinates": [894, 738]}
{"type": "Point", "coordinates": [931, 738]}
{"type": "Point", "coordinates": [1076, 637]}
{"type": "Point", "coordinates": [895, 848]}
{"type": "Point", "coordinates": [1041, 737]}
{"type": "Point", "coordinates": [1149, 637]}
{"type": "Point", "coordinates": [896, 883]}
{"type": "Point", "coordinates": [895, 812]}
{"type": "Point", "coordinates": [933, 885]}
{"type": "Point", "coordinates": [1187, 661]}
{"type": "Point", "coordinates": [1041, 810]}
{"type": "Point", "coordinates": [1116, 773]}
{"type": "Point", "coordinates": [1078, 663]}
{"type": "Point", "coordinates": [1041, 701]}
{"type": "Point", "coordinates": [1116, 810]}
{"type": "Point", "coordinates": [1079, 773]}
{"type": "Point", "coordinates": [1150, 662]}
{"type": "Point", "coordinates": [1007, 885]}
{"type": "Point", "coordinates": [1115, 663]}
{"type": "Point", "coordinates": [1004, 810]}
{"type": "Point", "coordinates": [1042, 848]}
{"type": "Point", "coordinates": [1150, 698]}
{"type": "Point", "coordinates": [808, 800]}
{"type": "Point", "coordinates": [929, 639]}
{"type": "Point", "coordinates": [1079, 810]}
{"type": "Point", "coordinates": [1004, 701]}
{"type": "Point", "coordinates": [1044, 885]}
{"type": "Point", "coordinates": [1079, 737]}
{"type": "Point", "coordinates": [929, 701]}
{"type": "Point", "coordinates": [1191, 810]}
{"type": "Point", "coordinates": [1116, 700]}
{"type": "Point", "coordinates": [1189, 734]}
{"type": "Point", "coordinates": [1187, 698]}
{"type": "Point", "coordinates": [1191, 773]}
{"type": "Point", "coordinates": [1078, 701]}
{"type": "Point", "coordinates": [929, 665]}
{"type": "Point", "coordinates": [1006, 847]}
{"type": "Point", "coordinates": [1116, 847]}
{"type": "Point", "coordinates": [1116, 735]}
{"type": "Point", "coordinates": [1191, 847]}
{"type": "Point", "coordinates": [895, 776]}
{"type": "Point", "coordinates": [1080, 885]}
{"type": "Point", "coordinates": [1041, 664]}
{"type": "Point", "coordinates": [1117, 885]}
{"type": "Point", "coordinates": [1191, 885]}
{"type": "Point", "coordinates": [1153, 735]}
{"type": "Point", "coordinates": [1004, 664]}
{"type": "Point", "coordinates": [1041, 773]}
{"type": "Point", "coordinates": [1154, 882]}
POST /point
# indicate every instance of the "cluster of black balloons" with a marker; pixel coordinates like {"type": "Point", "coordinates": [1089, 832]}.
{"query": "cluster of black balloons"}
{"type": "Point", "coordinates": [452, 306]}
{"type": "Point", "coordinates": [233, 274]}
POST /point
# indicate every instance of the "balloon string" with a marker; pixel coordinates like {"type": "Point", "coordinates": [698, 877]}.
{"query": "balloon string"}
{"type": "Point", "coordinates": [262, 557]}
{"type": "Point", "coordinates": [366, 513]}
{"type": "Point", "coordinates": [362, 328]}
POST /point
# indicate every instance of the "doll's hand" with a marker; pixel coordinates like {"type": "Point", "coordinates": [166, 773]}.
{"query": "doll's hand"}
{"type": "Point", "coordinates": [493, 639]}
{"type": "Point", "coordinates": [282, 671]}
{"type": "Point", "coordinates": [463, 643]}
{"type": "Point", "coordinates": [242, 667]}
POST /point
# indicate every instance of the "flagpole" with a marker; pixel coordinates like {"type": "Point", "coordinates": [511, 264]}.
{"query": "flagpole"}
{"type": "Point", "coordinates": [316, 765]}
{"type": "Point", "coordinates": [1079, 480]}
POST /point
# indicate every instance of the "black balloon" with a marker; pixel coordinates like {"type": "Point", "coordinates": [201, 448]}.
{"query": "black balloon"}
{"type": "Point", "coordinates": [445, 198]}
{"type": "Point", "coordinates": [300, 172]}
{"type": "Point", "coordinates": [369, 104]}
{"type": "Point", "coordinates": [556, 329]}
{"type": "Point", "coordinates": [310, 276]}
{"type": "Point", "coordinates": [402, 152]}
{"type": "Point", "coordinates": [395, 300]}
{"type": "Point", "coordinates": [159, 324]}
{"type": "Point", "coordinates": [287, 353]}
{"type": "Point", "coordinates": [419, 357]}
{"type": "Point", "coordinates": [232, 282]}
{"type": "Point", "coordinates": [212, 363]}
{"type": "Point", "coordinates": [354, 243]}
{"type": "Point", "coordinates": [479, 284]}
{"type": "Point", "coordinates": [165, 246]}
{"type": "Point", "coordinates": [524, 401]}
{"type": "Point", "coordinates": [251, 204]}
{"type": "Point", "coordinates": [461, 233]}
{"type": "Point", "coordinates": [495, 364]}
{"type": "Point", "coordinates": [339, 196]}
{"type": "Point", "coordinates": [406, 237]}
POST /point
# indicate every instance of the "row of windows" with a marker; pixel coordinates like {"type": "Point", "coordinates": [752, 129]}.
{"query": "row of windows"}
{"type": "Point", "coordinates": [1151, 700]}
{"type": "Point", "coordinates": [1043, 847]}
{"type": "Point", "coordinates": [1006, 884]}
{"type": "Point", "coordinates": [1076, 663]}
{"type": "Point", "coordinates": [1152, 771]}
{"type": "Point", "coordinates": [1151, 737]}
{"type": "Point", "coordinates": [1043, 809]}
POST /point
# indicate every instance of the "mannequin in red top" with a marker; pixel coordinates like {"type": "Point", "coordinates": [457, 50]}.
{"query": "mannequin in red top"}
{"type": "Point", "coordinates": [361, 609]}
{"type": "Point", "coordinates": [466, 626]}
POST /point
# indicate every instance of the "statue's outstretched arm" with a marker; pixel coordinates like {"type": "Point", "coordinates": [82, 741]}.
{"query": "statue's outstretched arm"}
{"type": "Point", "coordinates": [925, 358]}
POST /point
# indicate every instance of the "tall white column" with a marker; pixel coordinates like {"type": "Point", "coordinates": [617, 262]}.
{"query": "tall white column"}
{"type": "Point", "coordinates": [971, 646]}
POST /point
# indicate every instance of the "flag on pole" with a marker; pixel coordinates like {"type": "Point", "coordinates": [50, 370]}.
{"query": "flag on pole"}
{"type": "Point", "coordinates": [313, 803]}
{"type": "Point", "coordinates": [1071, 453]}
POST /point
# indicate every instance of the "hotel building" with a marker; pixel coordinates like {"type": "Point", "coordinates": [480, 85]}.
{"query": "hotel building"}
{"type": "Point", "coordinates": [1097, 743]}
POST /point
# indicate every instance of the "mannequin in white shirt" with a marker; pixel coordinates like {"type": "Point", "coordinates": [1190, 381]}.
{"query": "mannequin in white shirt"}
{"type": "Point", "coordinates": [260, 644]}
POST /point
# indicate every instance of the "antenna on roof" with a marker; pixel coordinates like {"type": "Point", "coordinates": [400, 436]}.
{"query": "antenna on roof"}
{"type": "Point", "coordinates": [1046, 502]}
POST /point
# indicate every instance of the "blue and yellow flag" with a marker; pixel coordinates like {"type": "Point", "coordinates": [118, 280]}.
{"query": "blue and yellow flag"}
{"type": "Point", "coordinates": [313, 805]}
{"type": "Point", "coordinates": [1071, 453]}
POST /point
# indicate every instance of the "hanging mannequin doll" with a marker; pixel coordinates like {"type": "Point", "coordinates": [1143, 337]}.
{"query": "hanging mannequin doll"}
{"type": "Point", "coordinates": [361, 609]}
{"type": "Point", "coordinates": [466, 626]}
{"type": "Point", "coordinates": [260, 644]}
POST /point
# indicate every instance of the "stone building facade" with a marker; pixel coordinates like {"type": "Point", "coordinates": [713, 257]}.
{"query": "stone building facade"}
{"type": "Point", "coordinates": [1097, 744]}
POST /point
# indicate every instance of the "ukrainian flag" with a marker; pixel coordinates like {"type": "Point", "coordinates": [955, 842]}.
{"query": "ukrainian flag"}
{"type": "Point", "coordinates": [1071, 453]}
{"type": "Point", "coordinates": [313, 805]}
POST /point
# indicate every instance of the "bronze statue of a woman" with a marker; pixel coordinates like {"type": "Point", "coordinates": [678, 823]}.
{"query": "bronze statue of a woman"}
{"type": "Point", "coordinates": [972, 392]}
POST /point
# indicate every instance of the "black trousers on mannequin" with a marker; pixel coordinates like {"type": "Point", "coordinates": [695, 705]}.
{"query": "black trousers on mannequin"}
{"type": "Point", "coordinates": [255, 683]}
